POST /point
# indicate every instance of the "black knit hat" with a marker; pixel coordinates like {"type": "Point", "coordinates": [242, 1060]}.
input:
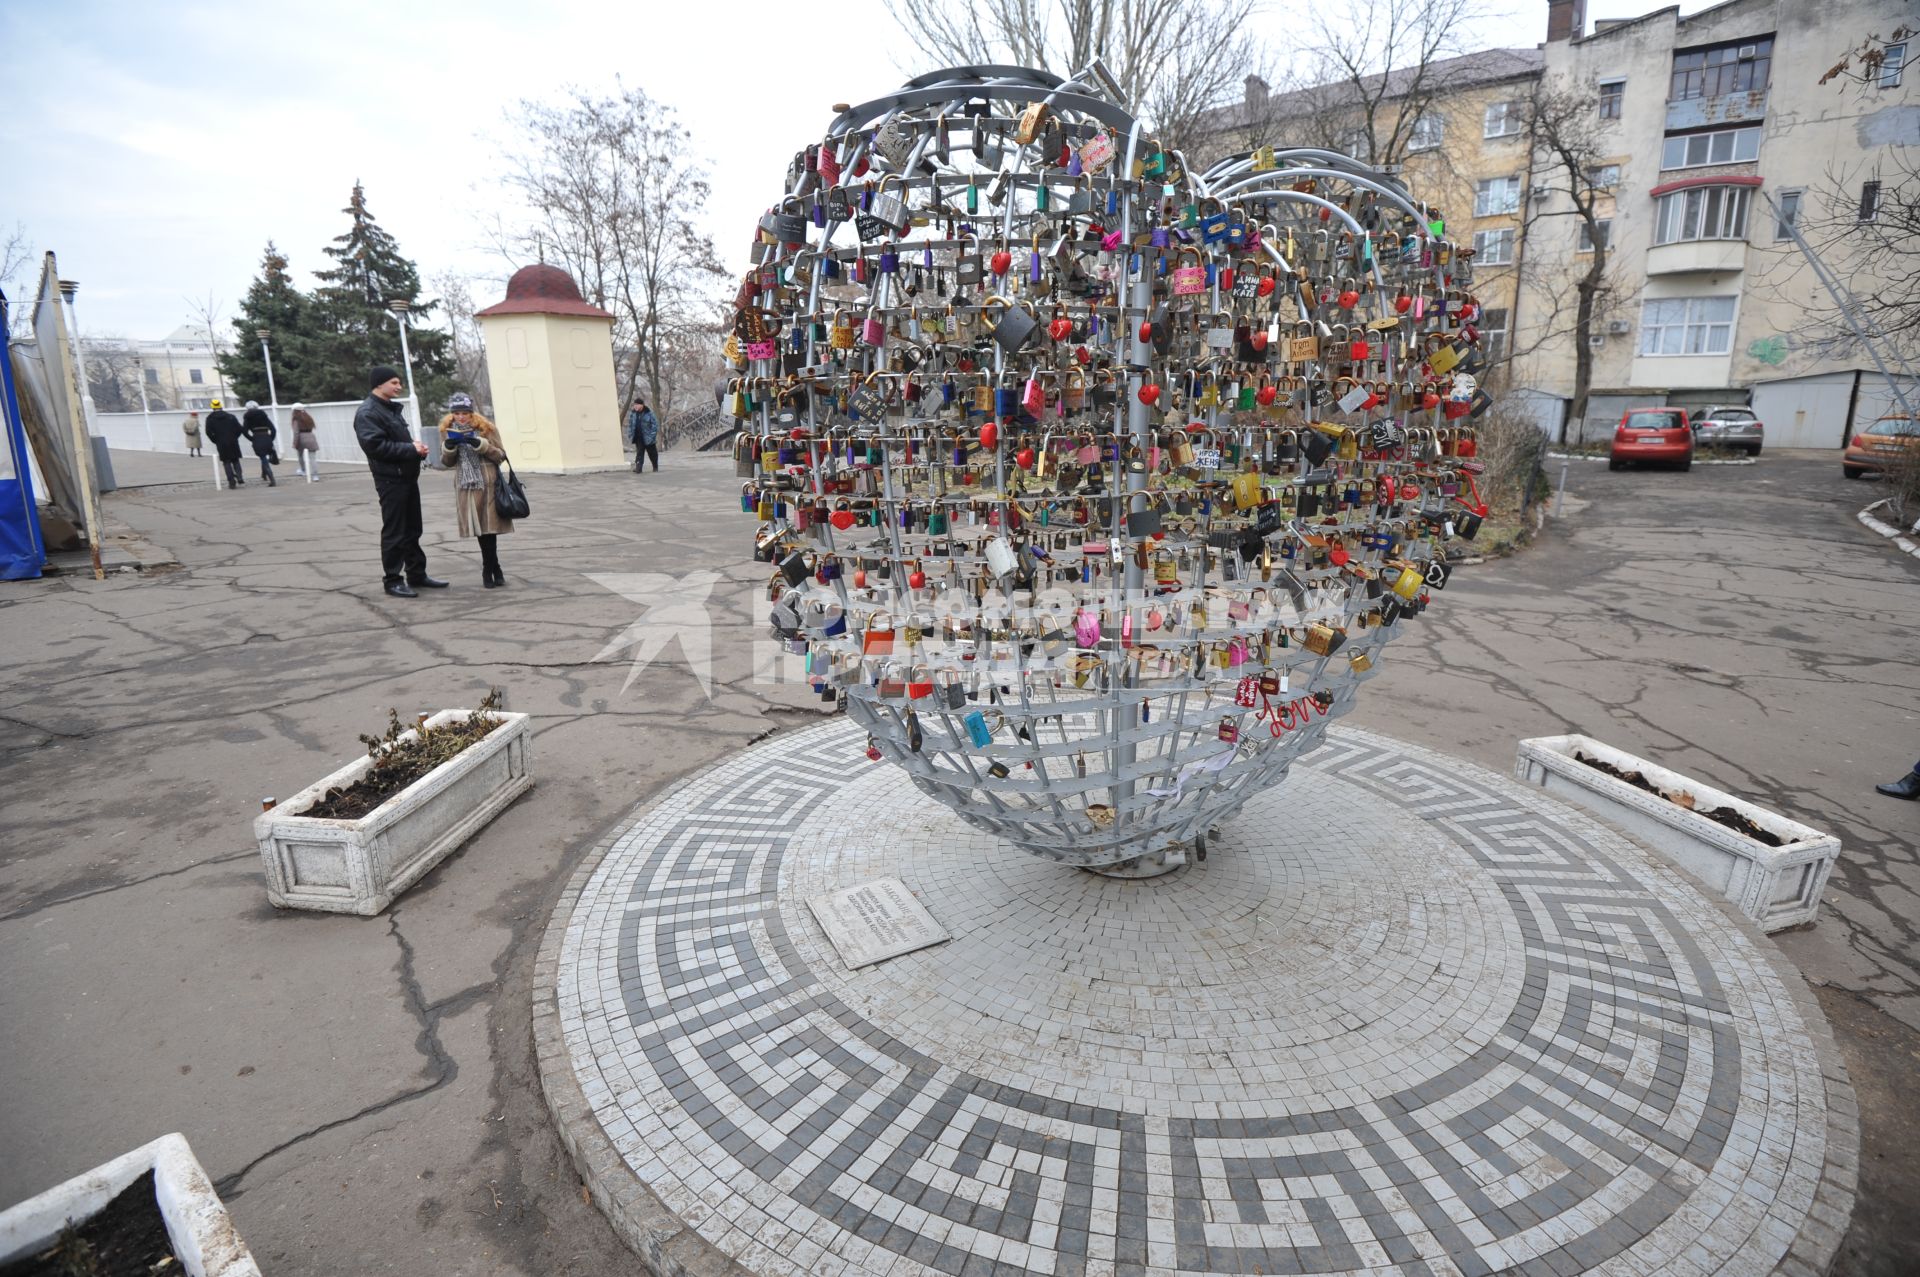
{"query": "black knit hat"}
{"type": "Point", "coordinates": [382, 375]}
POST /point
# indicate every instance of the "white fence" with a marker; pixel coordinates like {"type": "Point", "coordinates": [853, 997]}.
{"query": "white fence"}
{"type": "Point", "coordinates": [333, 422]}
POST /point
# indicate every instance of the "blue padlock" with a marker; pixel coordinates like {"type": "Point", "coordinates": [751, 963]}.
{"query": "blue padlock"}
{"type": "Point", "coordinates": [977, 730]}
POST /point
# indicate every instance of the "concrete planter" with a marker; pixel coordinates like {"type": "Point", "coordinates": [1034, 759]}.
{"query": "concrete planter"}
{"type": "Point", "coordinates": [203, 1235]}
{"type": "Point", "coordinates": [1777, 887]}
{"type": "Point", "coordinates": [359, 866]}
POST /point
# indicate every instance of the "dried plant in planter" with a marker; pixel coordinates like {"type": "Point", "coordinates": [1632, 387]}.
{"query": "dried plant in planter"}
{"type": "Point", "coordinates": [398, 762]}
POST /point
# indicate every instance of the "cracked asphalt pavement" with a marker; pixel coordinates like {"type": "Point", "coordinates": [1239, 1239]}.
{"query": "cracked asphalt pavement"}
{"type": "Point", "coordinates": [363, 1089]}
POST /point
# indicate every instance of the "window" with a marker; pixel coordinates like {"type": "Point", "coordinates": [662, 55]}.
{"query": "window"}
{"type": "Point", "coordinates": [1701, 212]}
{"type": "Point", "coordinates": [1731, 68]}
{"type": "Point", "coordinates": [1727, 146]}
{"type": "Point", "coordinates": [1493, 333]}
{"type": "Point", "coordinates": [1789, 215]}
{"type": "Point", "coordinates": [1606, 233]}
{"type": "Point", "coordinates": [1428, 130]}
{"type": "Point", "coordinates": [1503, 119]}
{"type": "Point", "coordinates": [1869, 201]}
{"type": "Point", "coordinates": [1686, 326]}
{"type": "Point", "coordinates": [1358, 143]}
{"type": "Point", "coordinates": [1603, 177]}
{"type": "Point", "coordinates": [193, 375]}
{"type": "Point", "coordinates": [1493, 248]}
{"type": "Point", "coordinates": [1892, 60]}
{"type": "Point", "coordinates": [1613, 98]}
{"type": "Point", "coordinates": [1496, 195]}
{"type": "Point", "coordinates": [153, 376]}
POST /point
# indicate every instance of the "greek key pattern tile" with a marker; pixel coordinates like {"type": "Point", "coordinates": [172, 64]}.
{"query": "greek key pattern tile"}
{"type": "Point", "coordinates": [1408, 1017]}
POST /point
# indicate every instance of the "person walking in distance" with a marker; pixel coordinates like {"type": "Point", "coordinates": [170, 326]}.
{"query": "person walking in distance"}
{"type": "Point", "coordinates": [306, 442]}
{"type": "Point", "coordinates": [644, 429]}
{"type": "Point", "coordinates": [191, 429]}
{"type": "Point", "coordinates": [223, 432]}
{"type": "Point", "coordinates": [470, 445]}
{"type": "Point", "coordinates": [261, 432]}
{"type": "Point", "coordinates": [394, 456]}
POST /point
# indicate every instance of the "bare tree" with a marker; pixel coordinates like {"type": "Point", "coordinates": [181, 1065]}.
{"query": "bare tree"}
{"type": "Point", "coordinates": [468, 350]}
{"type": "Point", "coordinates": [207, 318]}
{"type": "Point", "coordinates": [612, 188]}
{"type": "Point", "coordinates": [1173, 59]}
{"type": "Point", "coordinates": [1568, 153]}
{"type": "Point", "coordinates": [1373, 72]}
{"type": "Point", "coordinates": [1863, 63]}
{"type": "Point", "coordinates": [16, 252]}
{"type": "Point", "coordinates": [113, 373]}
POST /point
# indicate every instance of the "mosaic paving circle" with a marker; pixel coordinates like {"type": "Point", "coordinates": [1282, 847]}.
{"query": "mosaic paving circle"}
{"type": "Point", "coordinates": [1408, 1017]}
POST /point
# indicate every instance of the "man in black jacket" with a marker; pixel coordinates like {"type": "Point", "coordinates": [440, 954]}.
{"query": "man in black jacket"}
{"type": "Point", "coordinates": [261, 433]}
{"type": "Point", "coordinates": [223, 432]}
{"type": "Point", "coordinates": [393, 454]}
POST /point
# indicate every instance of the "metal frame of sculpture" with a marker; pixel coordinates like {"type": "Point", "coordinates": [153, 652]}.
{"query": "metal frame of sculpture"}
{"type": "Point", "coordinates": [1095, 485]}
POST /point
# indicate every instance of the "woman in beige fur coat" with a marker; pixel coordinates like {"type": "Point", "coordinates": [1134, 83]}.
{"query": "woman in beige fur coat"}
{"type": "Point", "coordinates": [470, 446]}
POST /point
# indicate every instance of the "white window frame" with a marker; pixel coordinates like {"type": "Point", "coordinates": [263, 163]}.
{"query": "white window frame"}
{"type": "Point", "coordinates": [1746, 137]}
{"type": "Point", "coordinates": [1429, 130]}
{"type": "Point", "coordinates": [1620, 98]}
{"type": "Point", "coordinates": [1482, 242]}
{"type": "Point", "coordinates": [1501, 119]}
{"type": "Point", "coordinates": [1493, 340]}
{"type": "Point", "coordinates": [194, 377]}
{"type": "Point", "coordinates": [1583, 244]}
{"type": "Point", "coordinates": [1893, 65]}
{"type": "Point", "coordinates": [1788, 203]}
{"type": "Point", "coordinates": [1700, 325]}
{"type": "Point", "coordinates": [1483, 196]}
{"type": "Point", "coordinates": [1702, 213]}
{"type": "Point", "coordinates": [1356, 143]}
{"type": "Point", "coordinates": [1598, 171]}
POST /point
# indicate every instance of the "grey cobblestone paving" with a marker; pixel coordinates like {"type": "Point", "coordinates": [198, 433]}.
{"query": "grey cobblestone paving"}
{"type": "Point", "coordinates": [1408, 1018]}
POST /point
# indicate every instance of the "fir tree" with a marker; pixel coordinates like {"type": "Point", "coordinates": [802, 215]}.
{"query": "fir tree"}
{"type": "Point", "coordinates": [273, 303]}
{"type": "Point", "coordinates": [355, 328]}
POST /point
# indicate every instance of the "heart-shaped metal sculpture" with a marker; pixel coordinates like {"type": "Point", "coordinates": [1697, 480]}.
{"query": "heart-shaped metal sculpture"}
{"type": "Point", "coordinates": [1094, 595]}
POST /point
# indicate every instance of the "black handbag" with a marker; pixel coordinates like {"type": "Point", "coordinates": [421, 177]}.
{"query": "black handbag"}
{"type": "Point", "coordinates": [509, 498]}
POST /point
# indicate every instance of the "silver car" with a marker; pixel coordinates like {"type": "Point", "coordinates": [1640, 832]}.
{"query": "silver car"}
{"type": "Point", "coordinates": [1727, 426]}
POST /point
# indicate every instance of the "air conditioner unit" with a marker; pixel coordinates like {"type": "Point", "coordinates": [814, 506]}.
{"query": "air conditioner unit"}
{"type": "Point", "coordinates": [1596, 340]}
{"type": "Point", "coordinates": [1619, 326]}
{"type": "Point", "coordinates": [1541, 192]}
{"type": "Point", "coordinates": [1748, 52]}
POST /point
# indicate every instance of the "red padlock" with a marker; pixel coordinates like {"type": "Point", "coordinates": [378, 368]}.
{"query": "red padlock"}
{"type": "Point", "coordinates": [1146, 330]}
{"type": "Point", "coordinates": [917, 579]}
{"type": "Point", "coordinates": [1001, 260]}
{"type": "Point", "coordinates": [989, 434]}
{"type": "Point", "coordinates": [1061, 328]}
{"type": "Point", "coordinates": [1349, 299]}
{"type": "Point", "coordinates": [1402, 304]}
{"type": "Point", "coordinates": [1149, 394]}
{"type": "Point", "coordinates": [1024, 458]}
{"type": "Point", "coordinates": [1361, 349]}
{"type": "Point", "coordinates": [841, 519]}
{"type": "Point", "coordinates": [1267, 284]}
{"type": "Point", "coordinates": [1258, 340]}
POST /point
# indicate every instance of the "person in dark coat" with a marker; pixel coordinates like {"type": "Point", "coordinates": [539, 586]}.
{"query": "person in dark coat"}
{"type": "Point", "coordinates": [261, 432]}
{"type": "Point", "coordinates": [223, 432]}
{"type": "Point", "coordinates": [394, 456]}
{"type": "Point", "coordinates": [644, 429]}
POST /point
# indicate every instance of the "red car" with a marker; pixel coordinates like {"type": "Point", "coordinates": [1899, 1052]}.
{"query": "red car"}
{"type": "Point", "coordinates": [1652, 434]}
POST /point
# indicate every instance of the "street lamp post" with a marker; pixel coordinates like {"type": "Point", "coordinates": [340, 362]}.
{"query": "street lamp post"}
{"type": "Point", "coordinates": [266, 357]}
{"type": "Point", "coordinates": [140, 380]}
{"type": "Point", "coordinates": [399, 306]}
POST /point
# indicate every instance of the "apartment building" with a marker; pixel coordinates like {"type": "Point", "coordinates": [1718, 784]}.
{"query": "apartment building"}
{"type": "Point", "coordinates": [1718, 132]}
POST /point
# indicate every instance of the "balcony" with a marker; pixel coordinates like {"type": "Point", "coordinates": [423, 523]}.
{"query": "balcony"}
{"type": "Point", "coordinates": [1715, 256]}
{"type": "Point", "coordinates": [1728, 108]}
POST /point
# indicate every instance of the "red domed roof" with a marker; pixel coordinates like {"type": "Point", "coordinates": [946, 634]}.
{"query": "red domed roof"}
{"type": "Point", "coordinates": [543, 290]}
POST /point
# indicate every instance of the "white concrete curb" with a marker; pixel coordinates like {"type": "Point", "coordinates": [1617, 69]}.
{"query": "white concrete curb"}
{"type": "Point", "coordinates": [1737, 461]}
{"type": "Point", "coordinates": [1887, 530]}
{"type": "Point", "coordinates": [202, 1234]}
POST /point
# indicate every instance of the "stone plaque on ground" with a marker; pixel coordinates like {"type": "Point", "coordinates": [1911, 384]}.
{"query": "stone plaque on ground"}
{"type": "Point", "coordinates": [875, 921]}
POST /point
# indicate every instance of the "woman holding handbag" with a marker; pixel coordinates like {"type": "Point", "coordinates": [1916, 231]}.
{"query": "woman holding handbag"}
{"type": "Point", "coordinates": [470, 446]}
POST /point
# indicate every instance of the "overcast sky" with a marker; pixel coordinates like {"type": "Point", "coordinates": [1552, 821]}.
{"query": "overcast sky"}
{"type": "Point", "coordinates": [156, 148]}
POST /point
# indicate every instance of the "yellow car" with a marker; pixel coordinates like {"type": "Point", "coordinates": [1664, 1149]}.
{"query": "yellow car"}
{"type": "Point", "coordinates": [1873, 447]}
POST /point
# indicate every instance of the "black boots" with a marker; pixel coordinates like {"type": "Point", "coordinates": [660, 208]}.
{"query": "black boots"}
{"type": "Point", "coordinates": [492, 577]}
{"type": "Point", "coordinates": [401, 590]}
{"type": "Point", "coordinates": [1908, 786]}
